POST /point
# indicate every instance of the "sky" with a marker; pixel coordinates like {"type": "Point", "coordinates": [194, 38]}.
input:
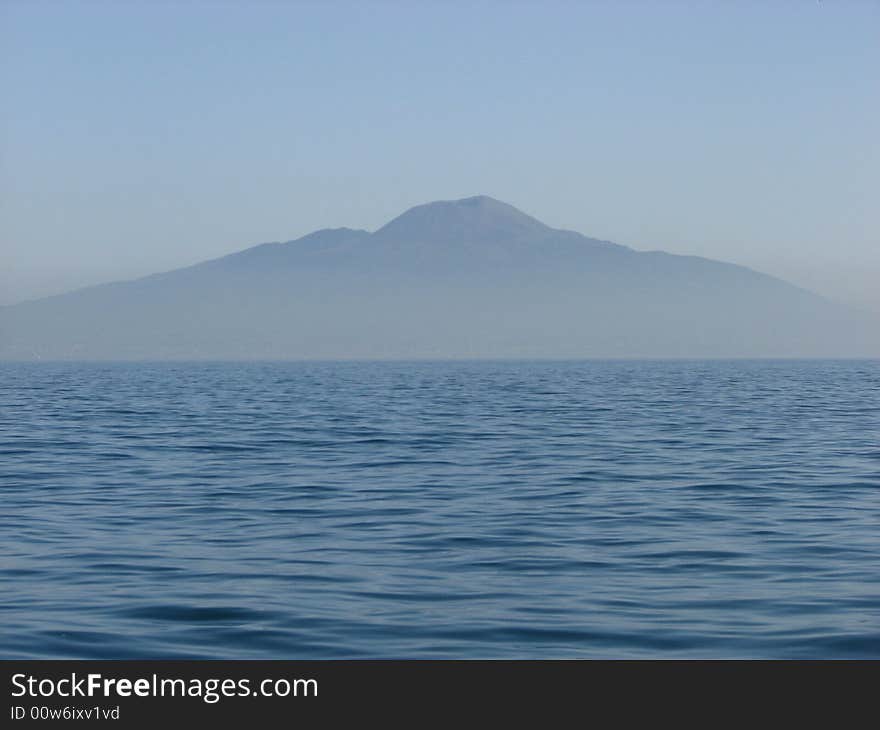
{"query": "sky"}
{"type": "Point", "coordinates": [137, 137]}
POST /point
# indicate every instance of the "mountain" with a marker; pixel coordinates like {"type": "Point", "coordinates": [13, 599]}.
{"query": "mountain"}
{"type": "Point", "coordinates": [465, 278]}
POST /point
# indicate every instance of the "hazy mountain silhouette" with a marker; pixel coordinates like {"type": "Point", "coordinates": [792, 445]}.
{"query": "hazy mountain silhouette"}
{"type": "Point", "coordinates": [465, 278]}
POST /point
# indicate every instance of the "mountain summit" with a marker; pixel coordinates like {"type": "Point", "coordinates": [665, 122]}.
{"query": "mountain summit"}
{"type": "Point", "coordinates": [464, 278]}
{"type": "Point", "coordinates": [478, 218]}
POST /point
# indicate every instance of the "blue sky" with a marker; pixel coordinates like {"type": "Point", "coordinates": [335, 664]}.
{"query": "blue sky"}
{"type": "Point", "coordinates": [138, 137]}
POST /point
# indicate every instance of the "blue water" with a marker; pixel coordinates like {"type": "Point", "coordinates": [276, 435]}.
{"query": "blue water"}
{"type": "Point", "coordinates": [485, 509]}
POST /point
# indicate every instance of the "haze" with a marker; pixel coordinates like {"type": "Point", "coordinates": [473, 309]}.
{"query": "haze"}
{"type": "Point", "coordinates": [142, 137]}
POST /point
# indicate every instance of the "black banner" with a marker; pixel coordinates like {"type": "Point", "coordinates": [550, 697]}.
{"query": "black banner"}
{"type": "Point", "coordinates": [547, 693]}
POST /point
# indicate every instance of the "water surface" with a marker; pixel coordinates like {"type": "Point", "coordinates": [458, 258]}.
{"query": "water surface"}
{"type": "Point", "coordinates": [462, 510]}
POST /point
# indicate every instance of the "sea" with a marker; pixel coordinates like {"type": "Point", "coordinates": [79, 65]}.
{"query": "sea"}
{"type": "Point", "coordinates": [449, 509]}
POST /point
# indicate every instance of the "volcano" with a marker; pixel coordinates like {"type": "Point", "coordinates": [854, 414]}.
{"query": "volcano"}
{"type": "Point", "coordinates": [469, 278]}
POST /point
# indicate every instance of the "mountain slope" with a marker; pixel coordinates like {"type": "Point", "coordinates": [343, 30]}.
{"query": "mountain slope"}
{"type": "Point", "coordinates": [467, 278]}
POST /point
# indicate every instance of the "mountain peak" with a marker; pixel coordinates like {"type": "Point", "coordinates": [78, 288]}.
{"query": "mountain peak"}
{"type": "Point", "coordinates": [470, 218]}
